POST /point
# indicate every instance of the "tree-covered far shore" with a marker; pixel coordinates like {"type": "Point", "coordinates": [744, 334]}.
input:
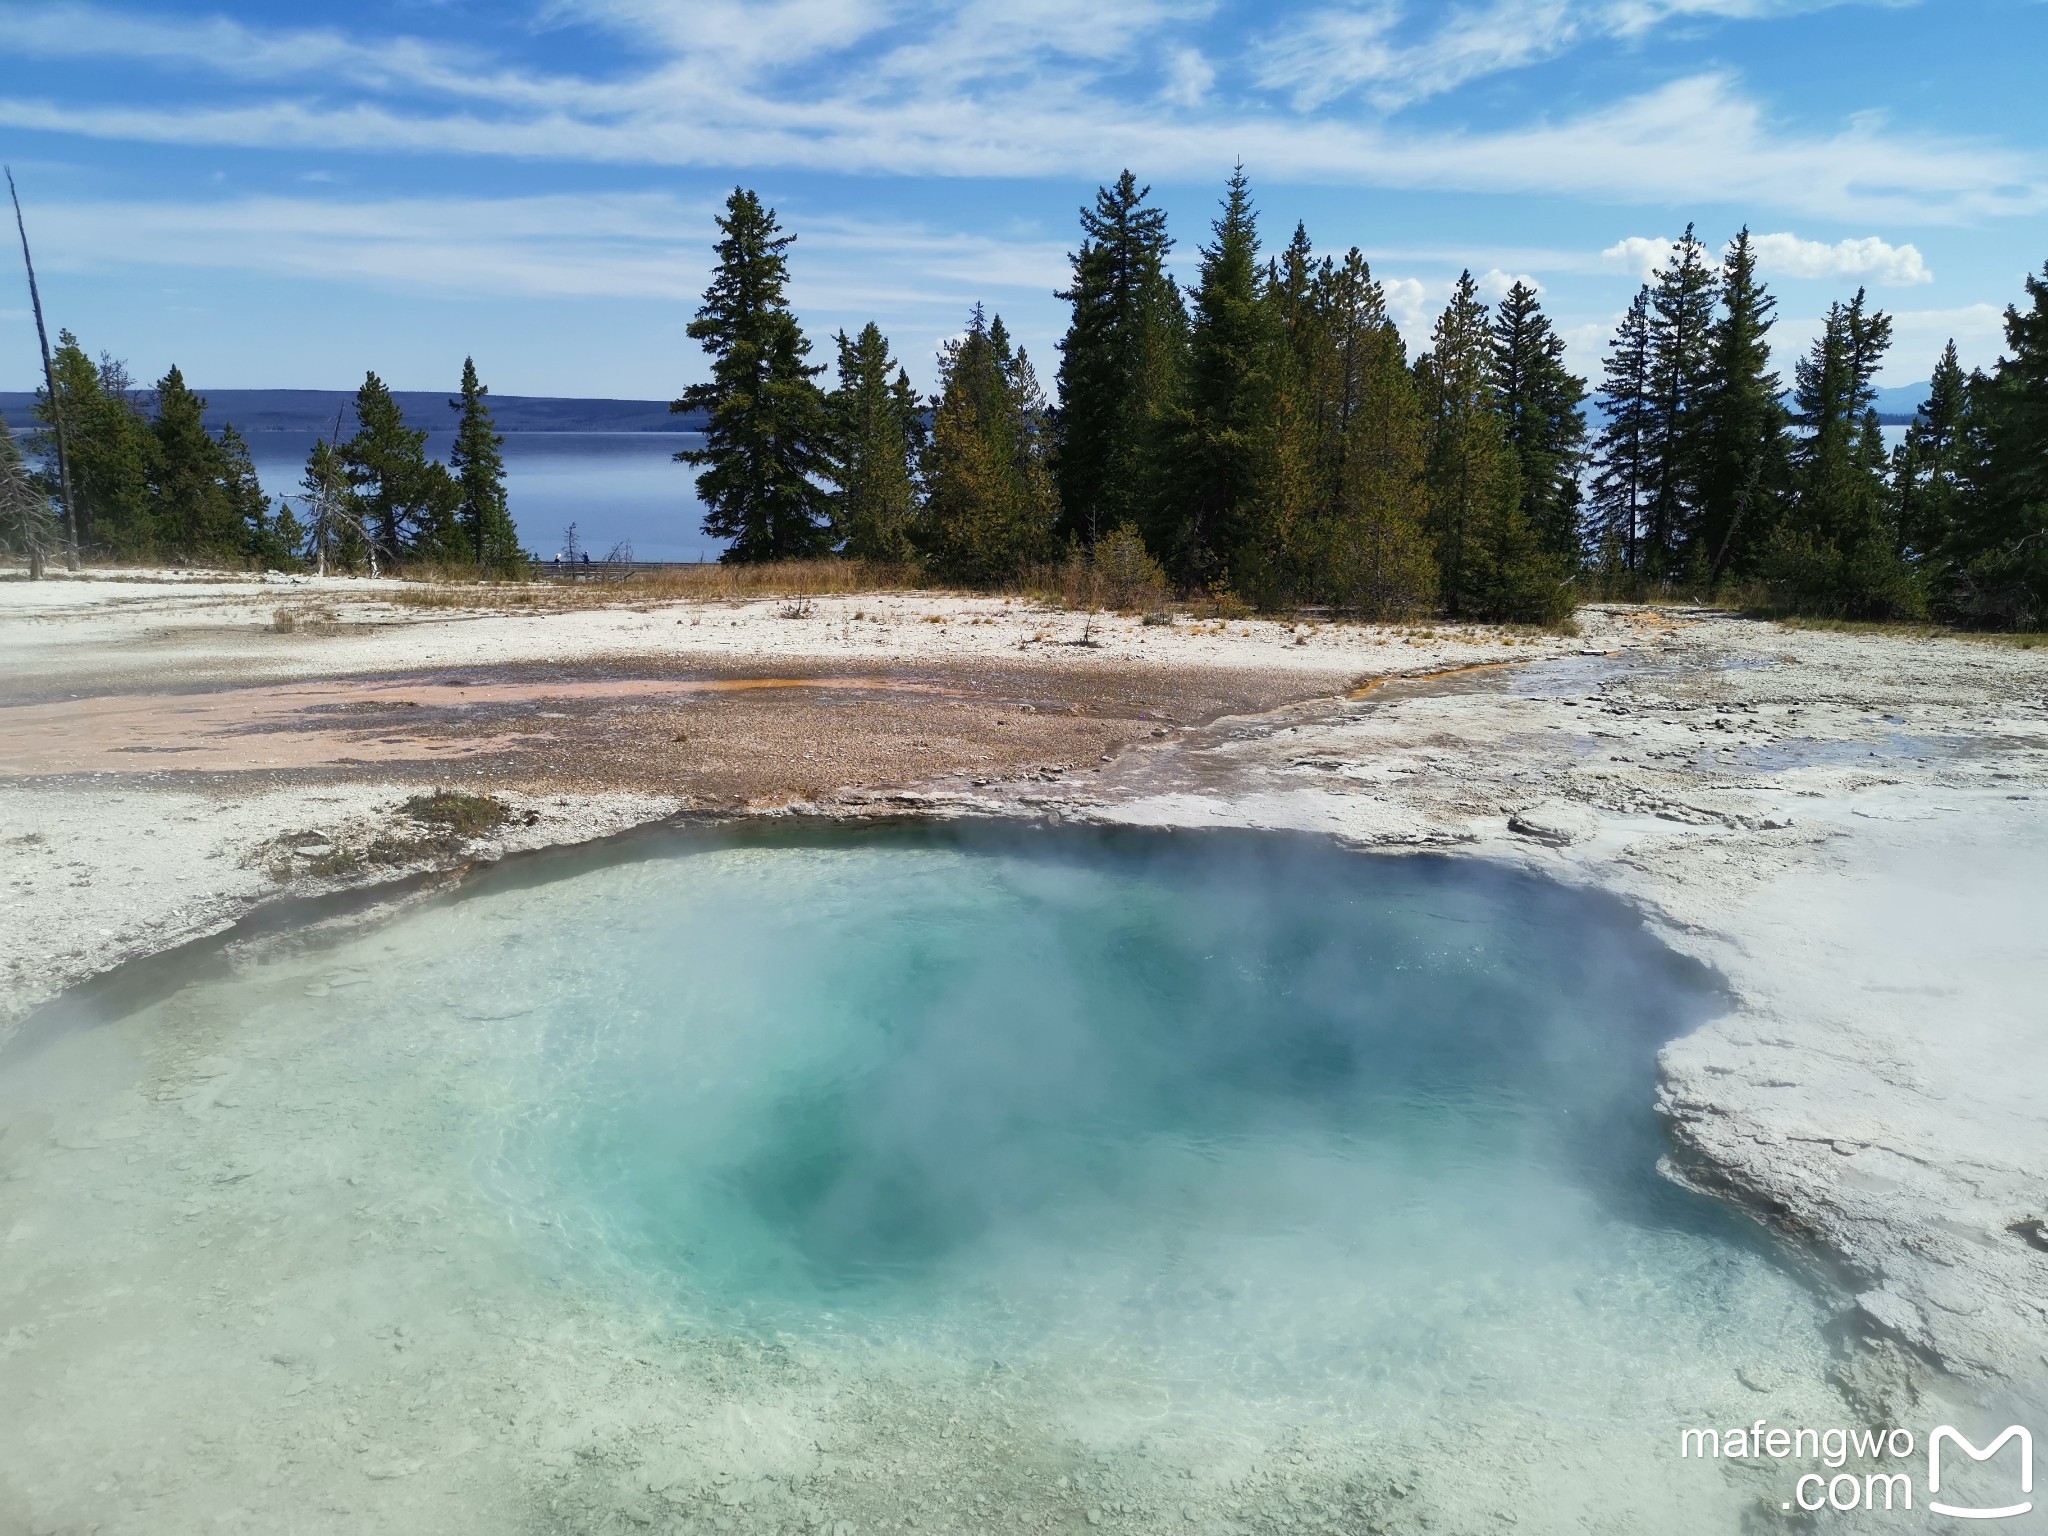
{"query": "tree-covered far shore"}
{"type": "Point", "coordinates": [150, 481]}
{"type": "Point", "coordinates": [1260, 437]}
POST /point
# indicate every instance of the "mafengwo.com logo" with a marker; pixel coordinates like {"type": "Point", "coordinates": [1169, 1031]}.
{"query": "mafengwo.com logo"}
{"type": "Point", "coordinates": [1875, 1469]}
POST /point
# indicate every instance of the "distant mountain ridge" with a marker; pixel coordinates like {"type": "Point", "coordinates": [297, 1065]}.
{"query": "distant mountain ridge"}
{"type": "Point", "coordinates": [1896, 405]}
{"type": "Point", "coordinates": [314, 410]}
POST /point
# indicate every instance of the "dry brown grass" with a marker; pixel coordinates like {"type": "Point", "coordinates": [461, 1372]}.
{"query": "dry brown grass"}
{"type": "Point", "coordinates": [686, 583]}
{"type": "Point", "coordinates": [1077, 584]}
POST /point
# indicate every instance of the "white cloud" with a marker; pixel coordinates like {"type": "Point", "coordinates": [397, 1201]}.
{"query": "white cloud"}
{"type": "Point", "coordinates": [1408, 305]}
{"type": "Point", "coordinates": [1639, 255]}
{"type": "Point", "coordinates": [1785, 255]}
{"type": "Point", "coordinates": [1869, 259]}
{"type": "Point", "coordinates": [1494, 284]}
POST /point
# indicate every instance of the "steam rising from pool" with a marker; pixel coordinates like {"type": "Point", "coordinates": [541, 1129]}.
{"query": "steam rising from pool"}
{"type": "Point", "coordinates": [1220, 1173]}
{"type": "Point", "coordinates": [1257, 1116]}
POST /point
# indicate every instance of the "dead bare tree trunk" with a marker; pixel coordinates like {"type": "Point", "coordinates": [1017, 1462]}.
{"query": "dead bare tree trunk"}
{"type": "Point", "coordinates": [35, 299]}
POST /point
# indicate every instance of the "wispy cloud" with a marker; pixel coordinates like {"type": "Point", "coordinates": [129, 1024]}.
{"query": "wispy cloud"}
{"type": "Point", "coordinates": [1024, 88]}
{"type": "Point", "coordinates": [627, 246]}
{"type": "Point", "coordinates": [1394, 52]}
{"type": "Point", "coordinates": [1699, 141]}
{"type": "Point", "coordinates": [222, 46]}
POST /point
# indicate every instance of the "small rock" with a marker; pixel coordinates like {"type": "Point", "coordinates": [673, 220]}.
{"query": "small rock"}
{"type": "Point", "coordinates": [1559, 823]}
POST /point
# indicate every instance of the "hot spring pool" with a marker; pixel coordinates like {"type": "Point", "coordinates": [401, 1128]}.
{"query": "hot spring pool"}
{"type": "Point", "coordinates": [973, 1180]}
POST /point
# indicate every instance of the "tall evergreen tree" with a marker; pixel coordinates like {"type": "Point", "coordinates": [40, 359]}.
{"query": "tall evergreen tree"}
{"type": "Point", "coordinates": [1681, 324]}
{"type": "Point", "coordinates": [1304, 434]}
{"type": "Point", "coordinates": [989, 508]}
{"type": "Point", "coordinates": [767, 444]}
{"type": "Point", "coordinates": [1623, 477]}
{"type": "Point", "coordinates": [1470, 469]}
{"type": "Point", "coordinates": [877, 430]}
{"type": "Point", "coordinates": [1488, 561]}
{"type": "Point", "coordinates": [1935, 473]}
{"type": "Point", "coordinates": [108, 450]}
{"type": "Point", "coordinates": [194, 513]}
{"type": "Point", "coordinates": [1541, 398]}
{"type": "Point", "coordinates": [1370, 551]}
{"type": "Point", "coordinates": [483, 516]}
{"type": "Point", "coordinates": [1223, 442]}
{"type": "Point", "coordinates": [1122, 365]}
{"type": "Point", "coordinates": [1744, 452]}
{"type": "Point", "coordinates": [2003, 546]}
{"type": "Point", "coordinates": [396, 494]}
{"type": "Point", "coordinates": [1840, 552]}
{"type": "Point", "coordinates": [264, 540]}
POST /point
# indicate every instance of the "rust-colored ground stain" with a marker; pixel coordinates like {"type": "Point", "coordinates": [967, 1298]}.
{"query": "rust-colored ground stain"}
{"type": "Point", "coordinates": [306, 725]}
{"type": "Point", "coordinates": [705, 734]}
{"type": "Point", "coordinates": [1373, 685]}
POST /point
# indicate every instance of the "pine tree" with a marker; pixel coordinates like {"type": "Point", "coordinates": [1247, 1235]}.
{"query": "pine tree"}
{"type": "Point", "coordinates": [483, 516]}
{"type": "Point", "coordinates": [1469, 467]}
{"type": "Point", "coordinates": [108, 448]}
{"type": "Point", "coordinates": [989, 509]}
{"type": "Point", "coordinates": [1223, 442]}
{"type": "Point", "coordinates": [1371, 551]}
{"type": "Point", "coordinates": [1122, 365]}
{"type": "Point", "coordinates": [1839, 552]}
{"type": "Point", "coordinates": [1623, 473]}
{"type": "Point", "coordinates": [1744, 452]}
{"type": "Point", "coordinates": [877, 429]}
{"type": "Point", "coordinates": [195, 517]}
{"type": "Point", "coordinates": [334, 531]}
{"type": "Point", "coordinates": [1489, 564]}
{"type": "Point", "coordinates": [2003, 547]}
{"type": "Point", "coordinates": [1934, 473]}
{"type": "Point", "coordinates": [261, 541]}
{"type": "Point", "coordinates": [395, 496]}
{"type": "Point", "coordinates": [1541, 398]}
{"type": "Point", "coordinates": [767, 450]}
{"type": "Point", "coordinates": [1681, 322]}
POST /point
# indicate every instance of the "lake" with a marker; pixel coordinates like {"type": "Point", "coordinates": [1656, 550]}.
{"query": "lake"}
{"type": "Point", "coordinates": [615, 486]}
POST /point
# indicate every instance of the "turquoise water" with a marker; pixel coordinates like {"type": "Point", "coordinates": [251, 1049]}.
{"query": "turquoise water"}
{"type": "Point", "coordinates": [965, 1177]}
{"type": "Point", "coordinates": [1249, 1110]}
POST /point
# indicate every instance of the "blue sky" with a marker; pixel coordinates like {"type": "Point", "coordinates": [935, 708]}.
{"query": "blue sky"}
{"type": "Point", "coordinates": [283, 195]}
